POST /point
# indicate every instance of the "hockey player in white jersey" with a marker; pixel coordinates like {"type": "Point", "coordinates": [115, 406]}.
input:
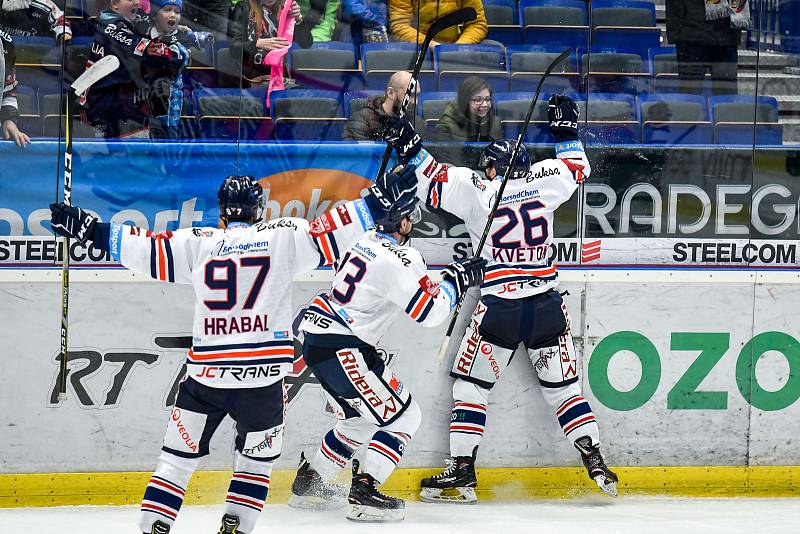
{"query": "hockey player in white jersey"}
{"type": "Point", "coordinates": [242, 344]}
{"type": "Point", "coordinates": [378, 278]}
{"type": "Point", "coordinates": [519, 301]}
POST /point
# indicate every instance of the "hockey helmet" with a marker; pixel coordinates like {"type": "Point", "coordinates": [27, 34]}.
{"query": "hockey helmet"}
{"type": "Point", "coordinates": [406, 206]}
{"type": "Point", "coordinates": [240, 198]}
{"type": "Point", "coordinates": [498, 155]}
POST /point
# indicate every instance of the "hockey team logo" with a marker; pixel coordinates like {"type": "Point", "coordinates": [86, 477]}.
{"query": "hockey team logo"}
{"type": "Point", "coordinates": [590, 251]}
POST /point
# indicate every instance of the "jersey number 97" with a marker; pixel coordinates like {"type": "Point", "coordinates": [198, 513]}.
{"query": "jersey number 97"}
{"type": "Point", "coordinates": [221, 276]}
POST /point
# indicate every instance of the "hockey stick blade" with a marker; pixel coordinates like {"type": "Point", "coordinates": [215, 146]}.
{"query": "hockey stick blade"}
{"type": "Point", "coordinates": [99, 70]}
{"type": "Point", "coordinates": [459, 16]}
{"type": "Point", "coordinates": [561, 57]}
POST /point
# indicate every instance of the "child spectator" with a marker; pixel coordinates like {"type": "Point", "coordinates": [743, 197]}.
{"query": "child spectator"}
{"type": "Point", "coordinates": [367, 20]}
{"type": "Point", "coordinates": [404, 26]}
{"type": "Point", "coordinates": [166, 95]}
{"type": "Point", "coordinates": [9, 109]}
{"type": "Point", "coordinates": [34, 18]}
{"type": "Point", "coordinates": [118, 105]}
{"type": "Point", "coordinates": [469, 118]}
{"type": "Point", "coordinates": [254, 32]}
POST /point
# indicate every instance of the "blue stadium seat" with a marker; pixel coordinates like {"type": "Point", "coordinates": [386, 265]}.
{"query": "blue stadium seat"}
{"type": "Point", "coordinates": [453, 63]}
{"type": "Point", "coordinates": [355, 100]}
{"type": "Point", "coordinates": [511, 109]}
{"type": "Point", "coordinates": [611, 118]}
{"type": "Point", "coordinates": [328, 66]}
{"type": "Point", "coordinates": [29, 120]}
{"type": "Point", "coordinates": [233, 114]}
{"type": "Point", "coordinates": [527, 63]}
{"type": "Point", "coordinates": [307, 115]}
{"type": "Point", "coordinates": [609, 71]}
{"type": "Point", "coordinates": [503, 19]}
{"type": "Point", "coordinates": [431, 106]}
{"type": "Point", "coordinates": [675, 119]}
{"type": "Point", "coordinates": [381, 60]}
{"type": "Point", "coordinates": [555, 22]}
{"type": "Point", "coordinates": [733, 117]}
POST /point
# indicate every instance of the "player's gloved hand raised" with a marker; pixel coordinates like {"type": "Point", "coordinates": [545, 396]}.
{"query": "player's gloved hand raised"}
{"type": "Point", "coordinates": [388, 188]}
{"type": "Point", "coordinates": [400, 134]}
{"type": "Point", "coordinates": [562, 115]}
{"type": "Point", "coordinates": [464, 274]}
{"type": "Point", "coordinates": [73, 222]}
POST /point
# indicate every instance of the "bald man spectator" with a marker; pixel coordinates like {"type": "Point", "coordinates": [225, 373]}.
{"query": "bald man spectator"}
{"type": "Point", "coordinates": [367, 123]}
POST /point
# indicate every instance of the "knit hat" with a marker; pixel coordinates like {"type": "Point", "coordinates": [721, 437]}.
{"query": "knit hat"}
{"type": "Point", "coordinates": [155, 5]}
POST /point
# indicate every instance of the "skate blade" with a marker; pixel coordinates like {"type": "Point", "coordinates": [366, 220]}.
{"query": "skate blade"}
{"type": "Point", "coordinates": [453, 495]}
{"type": "Point", "coordinates": [310, 502]}
{"type": "Point", "coordinates": [370, 514]}
{"type": "Point", "coordinates": [608, 487]}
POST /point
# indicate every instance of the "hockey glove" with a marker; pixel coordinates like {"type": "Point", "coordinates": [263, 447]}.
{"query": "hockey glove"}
{"type": "Point", "coordinates": [464, 274]}
{"type": "Point", "coordinates": [562, 115]}
{"type": "Point", "coordinates": [159, 49]}
{"type": "Point", "coordinates": [400, 134]}
{"type": "Point", "coordinates": [79, 225]}
{"type": "Point", "coordinates": [390, 187]}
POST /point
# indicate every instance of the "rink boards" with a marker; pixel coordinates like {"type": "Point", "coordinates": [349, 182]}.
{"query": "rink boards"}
{"type": "Point", "coordinates": [684, 369]}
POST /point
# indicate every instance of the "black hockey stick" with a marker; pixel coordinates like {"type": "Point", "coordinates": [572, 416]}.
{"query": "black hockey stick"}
{"type": "Point", "coordinates": [460, 16]}
{"type": "Point", "coordinates": [561, 57]}
{"type": "Point", "coordinates": [98, 70]}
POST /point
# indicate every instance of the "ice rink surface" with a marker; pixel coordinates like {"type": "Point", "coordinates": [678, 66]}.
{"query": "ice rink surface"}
{"type": "Point", "coordinates": [630, 515]}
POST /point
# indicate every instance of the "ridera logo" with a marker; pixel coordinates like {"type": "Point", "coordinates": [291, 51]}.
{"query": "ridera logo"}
{"type": "Point", "coordinates": [309, 193]}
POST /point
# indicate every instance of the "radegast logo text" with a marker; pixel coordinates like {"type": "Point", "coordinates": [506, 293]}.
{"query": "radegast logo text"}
{"type": "Point", "coordinates": [669, 209]}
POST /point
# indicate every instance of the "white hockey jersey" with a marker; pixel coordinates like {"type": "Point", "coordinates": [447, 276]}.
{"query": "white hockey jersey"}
{"type": "Point", "coordinates": [242, 279]}
{"type": "Point", "coordinates": [518, 244]}
{"type": "Point", "coordinates": [376, 280]}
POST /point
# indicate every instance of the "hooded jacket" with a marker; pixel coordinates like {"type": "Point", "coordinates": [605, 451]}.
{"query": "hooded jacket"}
{"type": "Point", "coordinates": [455, 125]}
{"type": "Point", "coordinates": [367, 122]}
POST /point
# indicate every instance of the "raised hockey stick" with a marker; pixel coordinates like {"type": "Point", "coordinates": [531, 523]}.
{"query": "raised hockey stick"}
{"type": "Point", "coordinates": [98, 70]}
{"type": "Point", "coordinates": [460, 16]}
{"type": "Point", "coordinates": [517, 147]}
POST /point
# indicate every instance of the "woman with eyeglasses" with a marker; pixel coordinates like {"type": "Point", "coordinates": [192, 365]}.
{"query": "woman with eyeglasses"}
{"type": "Point", "coordinates": [470, 117]}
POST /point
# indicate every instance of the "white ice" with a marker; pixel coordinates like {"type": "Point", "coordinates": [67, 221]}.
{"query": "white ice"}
{"type": "Point", "coordinates": [628, 515]}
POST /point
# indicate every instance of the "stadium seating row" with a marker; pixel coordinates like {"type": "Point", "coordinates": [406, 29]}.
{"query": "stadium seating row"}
{"type": "Point", "coordinates": [312, 115]}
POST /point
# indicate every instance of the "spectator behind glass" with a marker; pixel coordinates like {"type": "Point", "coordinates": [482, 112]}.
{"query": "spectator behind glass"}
{"type": "Point", "coordinates": [34, 18]}
{"type": "Point", "coordinates": [166, 80]}
{"type": "Point", "coordinates": [118, 104]}
{"type": "Point", "coordinates": [9, 109]}
{"type": "Point", "coordinates": [367, 20]}
{"type": "Point", "coordinates": [368, 123]}
{"type": "Point", "coordinates": [470, 117]}
{"type": "Point", "coordinates": [706, 36]}
{"type": "Point", "coordinates": [403, 21]}
{"type": "Point", "coordinates": [321, 16]}
{"type": "Point", "coordinates": [254, 30]}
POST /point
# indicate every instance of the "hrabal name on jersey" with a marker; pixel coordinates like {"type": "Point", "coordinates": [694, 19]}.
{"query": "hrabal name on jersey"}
{"type": "Point", "coordinates": [222, 326]}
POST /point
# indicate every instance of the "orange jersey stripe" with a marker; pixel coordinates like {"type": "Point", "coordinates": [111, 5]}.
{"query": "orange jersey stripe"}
{"type": "Point", "coordinates": [510, 272]}
{"type": "Point", "coordinates": [162, 261]}
{"type": "Point", "coordinates": [421, 305]}
{"type": "Point", "coordinates": [244, 354]}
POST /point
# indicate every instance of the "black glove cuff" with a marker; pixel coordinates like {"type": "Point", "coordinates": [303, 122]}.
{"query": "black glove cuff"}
{"type": "Point", "coordinates": [100, 236]}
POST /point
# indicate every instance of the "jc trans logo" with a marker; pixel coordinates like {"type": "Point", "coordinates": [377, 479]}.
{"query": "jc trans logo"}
{"type": "Point", "coordinates": [698, 355]}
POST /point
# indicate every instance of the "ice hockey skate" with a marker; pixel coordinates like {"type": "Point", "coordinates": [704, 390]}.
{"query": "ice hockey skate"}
{"type": "Point", "coordinates": [159, 527]}
{"type": "Point", "coordinates": [311, 492]}
{"type": "Point", "coordinates": [368, 504]}
{"type": "Point", "coordinates": [598, 471]}
{"type": "Point", "coordinates": [456, 484]}
{"type": "Point", "coordinates": [230, 525]}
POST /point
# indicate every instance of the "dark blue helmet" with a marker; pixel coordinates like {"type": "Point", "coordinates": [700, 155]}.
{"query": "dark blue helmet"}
{"type": "Point", "coordinates": [240, 198]}
{"type": "Point", "coordinates": [406, 206]}
{"type": "Point", "coordinates": [498, 154]}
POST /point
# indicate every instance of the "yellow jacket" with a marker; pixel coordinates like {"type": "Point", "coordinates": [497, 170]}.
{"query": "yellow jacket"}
{"type": "Point", "coordinates": [403, 20]}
